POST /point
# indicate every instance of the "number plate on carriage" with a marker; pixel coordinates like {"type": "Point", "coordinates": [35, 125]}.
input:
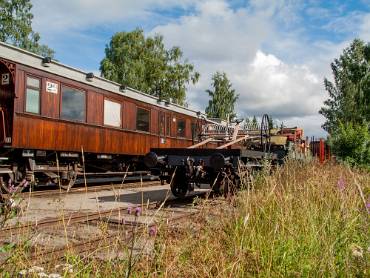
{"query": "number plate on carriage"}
{"type": "Point", "coordinates": [5, 79]}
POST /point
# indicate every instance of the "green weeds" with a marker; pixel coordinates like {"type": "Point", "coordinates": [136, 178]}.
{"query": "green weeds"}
{"type": "Point", "coordinates": [303, 220]}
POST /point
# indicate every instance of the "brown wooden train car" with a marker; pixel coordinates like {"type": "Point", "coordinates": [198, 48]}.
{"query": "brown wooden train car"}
{"type": "Point", "coordinates": [51, 113]}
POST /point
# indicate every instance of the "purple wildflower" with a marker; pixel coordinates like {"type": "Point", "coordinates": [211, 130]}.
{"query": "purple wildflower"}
{"type": "Point", "coordinates": [341, 184]}
{"type": "Point", "coordinates": [153, 231]}
{"type": "Point", "coordinates": [137, 211]}
{"type": "Point", "coordinates": [129, 210]}
{"type": "Point", "coordinates": [23, 183]}
{"type": "Point", "coordinates": [368, 205]}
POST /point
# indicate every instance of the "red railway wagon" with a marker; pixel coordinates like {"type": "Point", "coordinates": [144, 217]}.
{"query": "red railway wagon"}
{"type": "Point", "coordinates": [52, 114]}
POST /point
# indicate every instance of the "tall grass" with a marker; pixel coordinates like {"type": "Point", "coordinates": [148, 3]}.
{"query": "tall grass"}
{"type": "Point", "coordinates": [303, 220]}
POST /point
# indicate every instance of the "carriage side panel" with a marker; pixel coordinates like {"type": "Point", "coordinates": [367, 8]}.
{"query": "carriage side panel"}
{"type": "Point", "coordinates": [95, 104]}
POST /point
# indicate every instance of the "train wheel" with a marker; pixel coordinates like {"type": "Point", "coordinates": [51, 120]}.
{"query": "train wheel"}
{"type": "Point", "coordinates": [226, 184]}
{"type": "Point", "coordinates": [179, 186]}
{"type": "Point", "coordinates": [216, 183]}
{"type": "Point", "coordinates": [68, 183]}
{"type": "Point", "coordinates": [179, 191]}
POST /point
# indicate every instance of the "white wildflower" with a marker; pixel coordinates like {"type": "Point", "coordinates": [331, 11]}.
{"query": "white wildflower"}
{"type": "Point", "coordinates": [23, 273]}
{"type": "Point", "coordinates": [357, 251]}
{"type": "Point", "coordinates": [55, 275]}
{"type": "Point", "coordinates": [36, 269]}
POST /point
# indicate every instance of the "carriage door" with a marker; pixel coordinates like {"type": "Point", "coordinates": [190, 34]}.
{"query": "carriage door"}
{"type": "Point", "coordinates": [6, 102]}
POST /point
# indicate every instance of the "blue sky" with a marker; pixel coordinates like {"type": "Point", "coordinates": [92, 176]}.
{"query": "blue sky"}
{"type": "Point", "coordinates": [276, 53]}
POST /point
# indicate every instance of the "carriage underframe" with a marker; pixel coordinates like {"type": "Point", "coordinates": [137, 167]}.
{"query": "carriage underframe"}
{"type": "Point", "coordinates": [240, 151]}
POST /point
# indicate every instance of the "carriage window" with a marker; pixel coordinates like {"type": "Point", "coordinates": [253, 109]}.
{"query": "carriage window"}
{"type": "Point", "coordinates": [142, 119]}
{"type": "Point", "coordinates": [168, 126]}
{"type": "Point", "coordinates": [112, 113]}
{"type": "Point", "coordinates": [73, 104]}
{"type": "Point", "coordinates": [181, 128]}
{"type": "Point", "coordinates": [33, 95]}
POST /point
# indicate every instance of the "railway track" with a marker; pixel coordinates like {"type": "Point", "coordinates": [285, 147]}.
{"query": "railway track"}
{"type": "Point", "coordinates": [120, 229]}
{"type": "Point", "coordinates": [76, 190]}
{"type": "Point", "coordinates": [119, 225]}
{"type": "Point", "coordinates": [90, 188]}
{"type": "Point", "coordinates": [67, 219]}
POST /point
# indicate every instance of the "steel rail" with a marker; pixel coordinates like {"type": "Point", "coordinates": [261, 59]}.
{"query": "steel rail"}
{"type": "Point", "coordinates": [98, 243]}
{"type": "Point", "coordinates": [94, 188]}
{"type": "Point", "coordinates": [75, 217]}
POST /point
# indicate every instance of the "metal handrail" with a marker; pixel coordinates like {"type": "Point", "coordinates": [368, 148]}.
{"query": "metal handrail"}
{"type": "Point", "coordinates": [3, 123]}
{"type": "Point", "coordinates": [215, 129]}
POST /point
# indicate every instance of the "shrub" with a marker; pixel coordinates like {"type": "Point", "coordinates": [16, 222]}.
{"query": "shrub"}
{"type": "Point", "coordinates": [351, 144]}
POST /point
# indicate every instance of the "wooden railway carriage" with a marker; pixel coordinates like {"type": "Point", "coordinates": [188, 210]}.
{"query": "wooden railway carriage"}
{"type": "Point", "coordinates": [51, 113]}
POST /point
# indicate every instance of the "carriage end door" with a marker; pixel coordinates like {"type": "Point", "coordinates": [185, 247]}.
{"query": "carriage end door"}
{"type": "Point", "coordinates": [6, 102]}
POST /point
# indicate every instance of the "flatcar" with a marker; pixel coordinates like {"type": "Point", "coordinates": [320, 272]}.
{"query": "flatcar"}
{"type": "Point", "coordinates": [58, 122]}
{"type": "Point", "coordinates": [240, 151]}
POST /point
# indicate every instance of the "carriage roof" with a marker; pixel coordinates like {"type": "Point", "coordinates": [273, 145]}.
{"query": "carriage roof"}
{"type": "Point", "coordinates": [21, 56]}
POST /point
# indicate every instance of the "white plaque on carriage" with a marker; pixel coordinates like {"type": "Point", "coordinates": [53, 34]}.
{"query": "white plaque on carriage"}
{"type": "Point", "coordinates": [51, 87]}
{"type": "Point", "coordinates": [5, 79]}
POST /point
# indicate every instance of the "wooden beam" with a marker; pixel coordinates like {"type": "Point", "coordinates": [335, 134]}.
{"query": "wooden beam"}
{"type": "Point", "coordinates": [201, 143]}
{"type": "Point", "coordinates": [234, 142]}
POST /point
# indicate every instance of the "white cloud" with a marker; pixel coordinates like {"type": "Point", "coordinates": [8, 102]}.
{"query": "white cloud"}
{"type": "Point", "coordinates": [271, 86]}
{"type": "Point", "coordinates": [263, 46]}
{"type": "Point", "coordinates": [365, 28]}
{"type": "Point", "coordinates": [345, 24]}
{"type": "Point", "coordinates": [217, 33]}
{"type": "Point", "coordinates": [309, 123]}
{"type": "Point", "coordinates": [217, 38]}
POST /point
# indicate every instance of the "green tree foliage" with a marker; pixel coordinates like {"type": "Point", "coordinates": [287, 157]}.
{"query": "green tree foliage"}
{"type": "Point", "coordinates": [271, 123]}
{"type": "Point", "coordinates": [145, 64]}
{"type": "Point", "coordinates": [351, 143]}
{"type": "Point", "coordinates": [349, 95]}
{"type": "Point", "coordinates": [347, 111]}
{"type": "Point", "coordinates": [16, 29]}
{"type": "Point", "coordinates": [223, 98]}
{"type": "Point", "coordinates": [254, 121]}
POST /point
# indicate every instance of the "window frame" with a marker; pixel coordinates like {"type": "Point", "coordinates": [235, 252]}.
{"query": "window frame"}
{"type": "Point", "coordinates": [168, 124]}
{"type": "Point", "coordinates": [149, 123]}
{"type": "Point", "coordinates": [178, 120]}
{"type": "Point", "coordinates": [121, 112]}
{"type": "Point", "coordinates": [26, 86]}
{"type": "Point", "coordinates": [62, 85]}
{"type": "Point", "coordinates": [162, 116]}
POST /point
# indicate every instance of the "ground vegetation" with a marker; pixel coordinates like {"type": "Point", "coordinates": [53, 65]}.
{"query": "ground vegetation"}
{"type": "Point", "coordinates": [303, 220]}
